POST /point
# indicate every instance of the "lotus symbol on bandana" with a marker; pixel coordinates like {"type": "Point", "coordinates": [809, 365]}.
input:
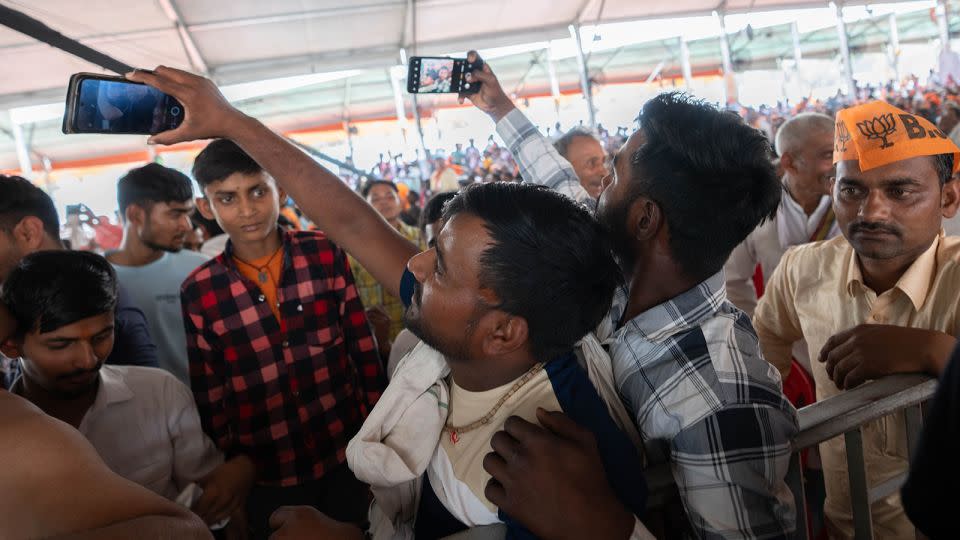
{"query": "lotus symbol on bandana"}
{"type": "Point", "coordinates": [880, 127]}
{"type": "Point", "coordinates": [843, 137]}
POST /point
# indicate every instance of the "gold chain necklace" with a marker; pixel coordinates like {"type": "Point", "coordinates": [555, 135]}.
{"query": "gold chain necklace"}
{"type": "Point", "coordinates": [455, 431]}
{"type": "Point", "coordinates": [262, 274]}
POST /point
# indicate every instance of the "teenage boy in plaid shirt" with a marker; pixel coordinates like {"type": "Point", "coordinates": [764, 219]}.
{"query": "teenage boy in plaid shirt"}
{"type": "Point", "coordinates": [282, 362]}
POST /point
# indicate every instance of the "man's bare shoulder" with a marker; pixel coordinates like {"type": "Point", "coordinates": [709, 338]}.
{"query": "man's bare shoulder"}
{"type": "Point", "coordinates": [53, 483]}
{"type": "Point", "coordinates": [24, 426]}
{"type": "Point", "coordinates": [35, 448]}
{"type": "Point", "coordinates": [37, 444]}
{"type": "Point", "coordinates": [20, 420]}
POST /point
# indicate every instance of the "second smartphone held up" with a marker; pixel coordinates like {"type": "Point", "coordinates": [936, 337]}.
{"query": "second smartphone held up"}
{"type": "Point", "coordinates": [441, 75]}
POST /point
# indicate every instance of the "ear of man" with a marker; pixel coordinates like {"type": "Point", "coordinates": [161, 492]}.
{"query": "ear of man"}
{"type": "Point", "coordinates": [205, 208]}
{"type": "Point", "coordinates": [788, 163]}
{"type": "Point", "coordinates": [503, 333]}
{"type": "Point", "coordinates": [950, 198]}
{"type": "Point", "coordinates": [135, 215]}
{"type": "Point", "coordinates": [645, 218]}
{"type": "Point", "coordinates": [29, 233]}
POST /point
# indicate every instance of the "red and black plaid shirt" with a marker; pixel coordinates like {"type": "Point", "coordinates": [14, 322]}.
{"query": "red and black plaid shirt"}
{"type": "Point", "coordinates": [289, 393]}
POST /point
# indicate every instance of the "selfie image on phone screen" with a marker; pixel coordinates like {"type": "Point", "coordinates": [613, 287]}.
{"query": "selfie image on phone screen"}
{"type": "Point", "coordinates": [120, 107]}
{"type": "Point", "coordinates": [436, 75]}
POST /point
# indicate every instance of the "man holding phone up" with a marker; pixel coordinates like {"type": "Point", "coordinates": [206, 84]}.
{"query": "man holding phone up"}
{"type": "Point", "coordinates": [454, 287]}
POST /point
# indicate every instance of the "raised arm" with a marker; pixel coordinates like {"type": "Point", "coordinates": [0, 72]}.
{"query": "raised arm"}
{"type": "Point", "coordinates": [336, 209]}
{"type": "Point", "coordinates": [539, 161]}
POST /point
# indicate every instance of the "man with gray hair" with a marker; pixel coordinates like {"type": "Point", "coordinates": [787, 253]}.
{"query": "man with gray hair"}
{"type": "Point", "coordinates": [805, 146]}
{"type": "Point", "coordinates": [582, 149]}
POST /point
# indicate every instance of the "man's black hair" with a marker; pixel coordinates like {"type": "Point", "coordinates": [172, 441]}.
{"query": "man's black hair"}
{"type": "Point", "coordinates": [153, 183]}
{"type": "Point", "coordinates": [48, 290]}
{"type": "Point", "coordinates": [944, 166]}
{"type": "Point", "coordinates": [19, 198]}
{"type": "Point", "coordinates": [220, 159]}
{"type": "Point", "coordinates": [433, 210]}
{"type": "Point", "coordinates": [209, 225]}
{"type": "Point", "coordinates": [711, 174]}
{"type": "Point", "coordinates": [563, 143]}
{"type": "Point", "coordinates": [549, 261]}
{"type": "Point", "coordinates": [369, 186]}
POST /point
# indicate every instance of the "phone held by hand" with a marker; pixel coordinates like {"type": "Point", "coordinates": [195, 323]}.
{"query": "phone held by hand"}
{"type": "Point", "coordinates": [105, 104]}
{"type": "Point", "coordinates": [441, 75]}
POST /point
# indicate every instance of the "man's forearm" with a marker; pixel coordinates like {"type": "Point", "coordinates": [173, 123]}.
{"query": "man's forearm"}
{"type": "Point", "coordinates": [540, 163]}
{"type": "Point", "coordinates": [345, 217]}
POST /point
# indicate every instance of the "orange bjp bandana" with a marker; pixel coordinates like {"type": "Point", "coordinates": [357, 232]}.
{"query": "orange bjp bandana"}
{"type": "Point", "coordinates": [878, 133]}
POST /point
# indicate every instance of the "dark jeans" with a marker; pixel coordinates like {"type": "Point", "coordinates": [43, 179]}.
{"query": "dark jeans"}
{"type": "Point", "coordinates": [338, 494]}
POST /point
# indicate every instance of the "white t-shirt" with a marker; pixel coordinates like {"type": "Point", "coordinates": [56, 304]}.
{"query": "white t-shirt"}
{"type": "Point", "coordinates": [456, 471]}
{"type": "Point", "coordinates": [155, 289]}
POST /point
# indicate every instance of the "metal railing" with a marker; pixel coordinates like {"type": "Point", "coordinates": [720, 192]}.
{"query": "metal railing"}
{"type": "Point", "coordinates": [844, 414]}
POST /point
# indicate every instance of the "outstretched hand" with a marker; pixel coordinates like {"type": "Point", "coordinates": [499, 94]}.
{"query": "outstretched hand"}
{"type": "Point", "coordinates": [207, 114]}
{"type": "Point", "coordinates": [491, 98]}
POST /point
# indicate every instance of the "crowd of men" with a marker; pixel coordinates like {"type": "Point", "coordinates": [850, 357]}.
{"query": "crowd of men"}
{"type": "Point", "coordinates": [510, 366]}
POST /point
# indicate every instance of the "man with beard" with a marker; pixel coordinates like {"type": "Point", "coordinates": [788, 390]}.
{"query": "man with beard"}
{"type": "Point", "coordinates": [517, 277]}
{"type": "Point", "coordinates": [879, 300]}
{"type": "Point", "coordinates": [686, 188]}
{"type": "Point", "coordinates": [155, 204]}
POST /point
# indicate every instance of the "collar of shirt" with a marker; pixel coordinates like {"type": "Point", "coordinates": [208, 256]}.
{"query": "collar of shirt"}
{"type": "Point", "coordinates": [113, 389]}
{"type": "Point", "coordinates": [915, 282]}
{"type": "Point", "coordinates": [226, 258]}
{"type": "Point", "coordinates": [794, 226]}
{"type": "Point", "coordinates": [679, 313]}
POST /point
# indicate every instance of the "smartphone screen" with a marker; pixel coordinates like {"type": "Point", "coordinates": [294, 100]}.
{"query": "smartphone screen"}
{"type": "Point", "coordinates": [436, 76]}
{"type": "Point", "coordinates": [111, 106]}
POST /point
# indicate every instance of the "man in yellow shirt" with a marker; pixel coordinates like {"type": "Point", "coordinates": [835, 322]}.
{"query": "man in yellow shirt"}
{"type": "Point", "coordinates": [882, 298]}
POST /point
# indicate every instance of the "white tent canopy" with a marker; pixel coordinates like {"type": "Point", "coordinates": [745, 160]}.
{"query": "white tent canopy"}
{"type": "Point", "coordinates": [249, 40]}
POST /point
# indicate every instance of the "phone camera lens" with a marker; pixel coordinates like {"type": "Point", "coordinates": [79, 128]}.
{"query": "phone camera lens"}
{"type": "Point", "coordinates": [175, 111]}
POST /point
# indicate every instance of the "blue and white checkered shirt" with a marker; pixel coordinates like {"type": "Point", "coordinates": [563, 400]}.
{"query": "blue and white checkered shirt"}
{"type": "Point", "coordinates": [691, 372]}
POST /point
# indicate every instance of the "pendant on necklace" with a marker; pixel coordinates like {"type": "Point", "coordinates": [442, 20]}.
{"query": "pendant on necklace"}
{"type": "Point", "coordinates": [262, 276]}
{"type": "Point", "coordinates": [454, 438]}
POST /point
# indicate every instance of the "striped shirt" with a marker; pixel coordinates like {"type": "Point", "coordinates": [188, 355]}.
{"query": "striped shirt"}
{"type": "Point", "coordinates": [691, 372]}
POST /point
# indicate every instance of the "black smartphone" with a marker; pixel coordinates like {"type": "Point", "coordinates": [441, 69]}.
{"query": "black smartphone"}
{"type": "Point", "coordinates": [441, 75]}
{"type": "Point", "coordinates": [105, 104]}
